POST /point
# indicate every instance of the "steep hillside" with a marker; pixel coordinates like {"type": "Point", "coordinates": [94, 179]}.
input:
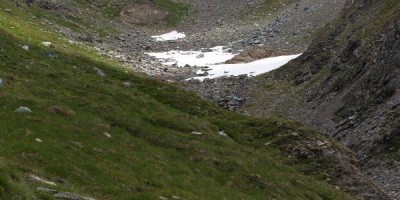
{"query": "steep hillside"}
{"type": "Point", "coordinates": [75, 124]}
{"type": "Point", "coordinates": [347, 85]}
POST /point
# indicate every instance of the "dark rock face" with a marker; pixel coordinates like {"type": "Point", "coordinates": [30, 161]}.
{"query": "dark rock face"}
{"type": "Point", "coordinates": [347, 84]}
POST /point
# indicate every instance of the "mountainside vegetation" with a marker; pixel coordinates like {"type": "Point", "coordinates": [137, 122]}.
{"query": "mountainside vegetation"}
{"type": "Point", "coordinates": [72, 121]}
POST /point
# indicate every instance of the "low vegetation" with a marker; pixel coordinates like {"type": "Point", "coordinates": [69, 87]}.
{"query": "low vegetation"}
{"type": "Point", "coordinates": [99, 130]}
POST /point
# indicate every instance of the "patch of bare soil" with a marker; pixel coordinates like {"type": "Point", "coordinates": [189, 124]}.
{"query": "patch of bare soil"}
{"type": "Point", "coordinates": [143, 13]}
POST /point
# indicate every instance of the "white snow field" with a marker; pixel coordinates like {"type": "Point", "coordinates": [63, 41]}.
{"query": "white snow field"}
{"type": "Point", "coordinates": [251, 69]}
{"type": "Point", "coordinates": [214, 59]}
{"type": "Point", "coordinates": [173, 35]}
{"type": "Point", "coordinates": [194, 58]}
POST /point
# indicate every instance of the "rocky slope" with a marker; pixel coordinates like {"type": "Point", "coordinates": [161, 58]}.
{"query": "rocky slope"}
{"type": "Point", "coordinates": [76, 125]}
{"type": "Point", "coordinates": [347, 85]}
{"type": "Point", "coordinates": [279, 26]}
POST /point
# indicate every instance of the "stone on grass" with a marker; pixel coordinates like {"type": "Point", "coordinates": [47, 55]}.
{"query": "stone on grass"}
{"type": "Point", "coordinates": [2, 82]}
{"type": "Point", "coordinates": [23, 109]}
{"type": "Point", "coordinates": [127, 84]}
{"type": "Point", "coordinates": [37, 179]}
{"type": "Point", "coordinates": [222, 133]}
{"type": "Point", "coordinates": [71, 196]}
{"type": "Point", "coordinates": [99, 72]}
{"type": "Point", "coordinates": [46, 44]}
{"type": "Point", "coordinates": [294, 134]}
{"type": "Point", "coordinates": [38, 140]}
{"type": "Point", "coordinates": [196, 133]}
{"type": "Point", "coordinates": [107, 134]}
{"type": "Point", "coordinates": [25, 47]}
{"type": "Point", "coordinates": [46, 190]}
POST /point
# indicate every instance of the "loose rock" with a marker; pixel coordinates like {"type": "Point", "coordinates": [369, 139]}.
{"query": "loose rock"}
{"type": "Point", "coordinates": [127, 84]}
{"type": "Point", "coordinates": [222, 133]}
{"type": "Point", "coordinates": [38, 179]}
{"type": "Point", "coordinates": [46, 44]}
{"type": "Point", "coordinates": [23, 110]}
{"type": "Point", "coordinates": [51, 191]}
{"type": "Point", "coordinates": [71, 196]}
{"type": "Point", "coordinates": [99, 72]}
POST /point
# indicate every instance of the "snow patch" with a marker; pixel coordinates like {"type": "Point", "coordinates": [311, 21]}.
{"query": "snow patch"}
{"type": "Point", "coordinates": [251, 69]}
{"type": "Point", "coordinates": [215, 57]}
{"type": "Point", "coordinates": [173, 35]}
{"type": "Point", "coordinates": [207, 57]}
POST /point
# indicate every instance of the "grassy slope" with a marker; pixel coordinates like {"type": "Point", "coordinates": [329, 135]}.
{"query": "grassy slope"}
{"type": "Point", "coordinates": [151, 152]}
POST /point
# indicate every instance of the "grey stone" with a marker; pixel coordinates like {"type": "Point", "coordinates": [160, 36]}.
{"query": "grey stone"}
{"type": "Point", "coordinates": [294, 134]}
{"type": "Point", "coordinates": [127, 84]}
{"type": "Point", "coordinates": [47, 190]}
{"type": "Point", "coordinates": [71, 196]}
{"type": "Point", "coordinates": [38, 179]}
{"type": "Point", "coordinates": [200, 56]}
{"type": "Point", "coordinates": [222, 133]}
{"type": "Point", "coordinates": [99, 72]}
{"type": "Point", "coordinates": [2, 82]}
{"type": "Point", "coordinates": [23, 110]}
{"type": "Point", "coordinates": [206, 50]}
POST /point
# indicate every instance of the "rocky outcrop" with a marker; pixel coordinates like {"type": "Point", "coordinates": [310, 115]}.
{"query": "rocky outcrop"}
{"type": "Point", "coordinates": [347, 84]}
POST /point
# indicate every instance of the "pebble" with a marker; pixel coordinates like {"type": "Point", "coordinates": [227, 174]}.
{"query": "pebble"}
{"type": "Point", "coordinates": [196, 133]}
{"type": "Point", "coordinates": [25, 47]}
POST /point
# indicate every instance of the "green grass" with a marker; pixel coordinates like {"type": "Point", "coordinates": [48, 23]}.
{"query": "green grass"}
{"type": "Point", "coordinates": [151, 152]}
